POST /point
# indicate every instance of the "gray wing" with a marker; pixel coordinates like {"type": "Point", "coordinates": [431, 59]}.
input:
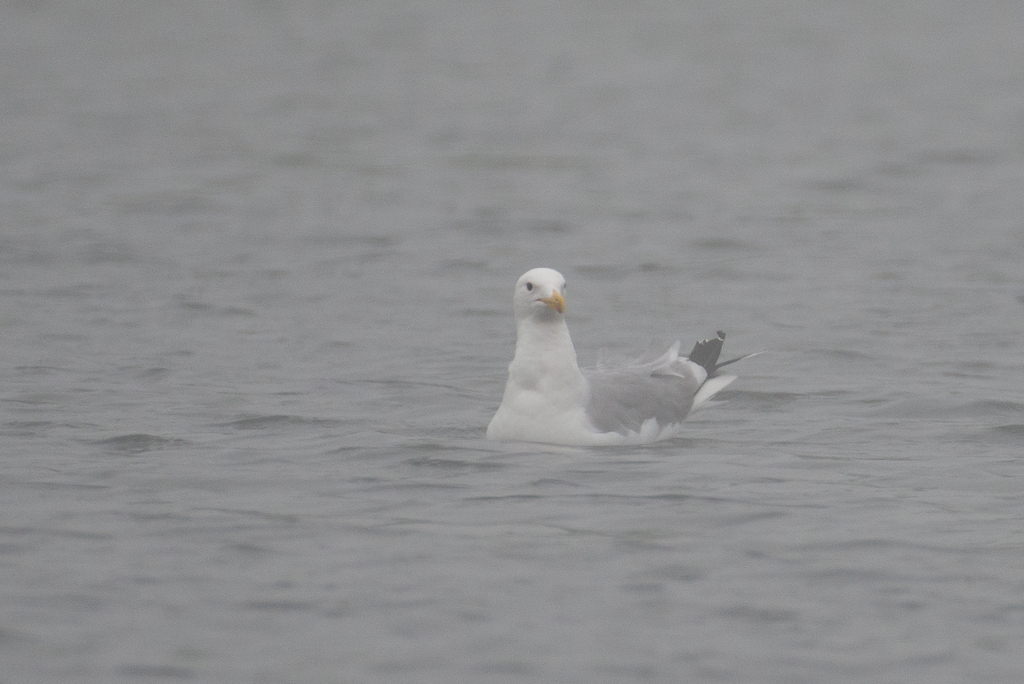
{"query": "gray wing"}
{"type": "Point", "coordinates": [623, 397]}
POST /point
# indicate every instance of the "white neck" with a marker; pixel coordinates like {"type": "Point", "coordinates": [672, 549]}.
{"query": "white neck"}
{"type": "Point", "coordinates": [544, 352]}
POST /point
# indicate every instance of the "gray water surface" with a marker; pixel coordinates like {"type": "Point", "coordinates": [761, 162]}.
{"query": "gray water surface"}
{"type": "Point", "coordinates": [256, 265]}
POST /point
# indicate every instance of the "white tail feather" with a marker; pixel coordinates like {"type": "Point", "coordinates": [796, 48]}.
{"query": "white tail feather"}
{"type": "Point", "coordinates": [710, 388]}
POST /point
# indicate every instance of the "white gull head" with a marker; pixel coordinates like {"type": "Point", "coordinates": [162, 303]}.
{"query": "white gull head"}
{"type": "Point", "coordinates": [540, 294]}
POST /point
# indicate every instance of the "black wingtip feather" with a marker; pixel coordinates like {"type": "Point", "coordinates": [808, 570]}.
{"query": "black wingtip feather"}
{"type": "Point", "coordinates": [706, 352]}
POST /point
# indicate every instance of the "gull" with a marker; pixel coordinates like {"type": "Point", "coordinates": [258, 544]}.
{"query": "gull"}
{"type": "Point", "coordinates": [549, 399]}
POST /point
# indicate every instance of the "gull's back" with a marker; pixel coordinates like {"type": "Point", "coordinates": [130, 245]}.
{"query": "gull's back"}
{"type": "Point", "coordinates": [621, 398]}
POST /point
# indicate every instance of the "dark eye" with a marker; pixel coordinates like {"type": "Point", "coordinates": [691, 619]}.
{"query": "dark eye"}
{"type": "Point", "coordinates": [529, 286]}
